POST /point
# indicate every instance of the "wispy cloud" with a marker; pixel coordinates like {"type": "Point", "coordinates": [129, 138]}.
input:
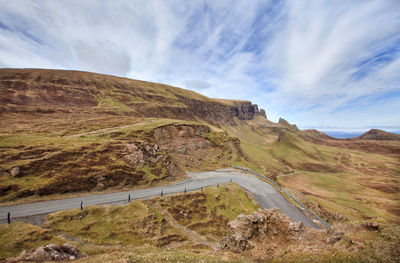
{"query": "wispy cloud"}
{"type": "Point", "coordinates": [312, 62]}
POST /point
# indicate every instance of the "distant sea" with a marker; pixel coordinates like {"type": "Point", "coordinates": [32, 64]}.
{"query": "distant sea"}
{"type": "Point", "coordinates": [344, 134]}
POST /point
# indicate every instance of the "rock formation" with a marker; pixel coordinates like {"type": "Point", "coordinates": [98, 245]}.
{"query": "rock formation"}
{"type": "Point", "coordinates": [51, 252]}
{"type": "Point", "coordinates": [286, 124]}
{"type": "Point", "coordinates": [268, 232]}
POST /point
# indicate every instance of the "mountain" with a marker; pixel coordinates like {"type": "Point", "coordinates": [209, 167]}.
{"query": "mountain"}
{"type": "Point", "coordinates": [75, 92]}
{"type": "Point", "coordinates": [375, 134]}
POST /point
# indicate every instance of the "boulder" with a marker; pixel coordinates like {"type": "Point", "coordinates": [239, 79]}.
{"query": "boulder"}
{"type": "Point", "coordinates": [372, 226]}
{"type": "Point", "coordinates": [51, 252]}
{"type": "Point", "coordinates": [15, 171]}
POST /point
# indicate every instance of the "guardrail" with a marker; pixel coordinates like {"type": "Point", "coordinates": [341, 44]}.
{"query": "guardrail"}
{"type": "Point", "coordinates": [289, 195]}
{"type": "Point", "coordinates": [128, 199]}
{"type": "Point", "coordinates": [162, 193]}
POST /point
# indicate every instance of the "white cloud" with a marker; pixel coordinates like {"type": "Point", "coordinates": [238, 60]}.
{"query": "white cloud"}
{"type": "Point", "coordinates": [312, 62]}
{"type": "Point", "coordinates": [101, 58]}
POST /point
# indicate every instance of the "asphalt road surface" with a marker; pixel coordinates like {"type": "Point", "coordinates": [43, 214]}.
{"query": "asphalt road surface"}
{"type": "Point", "coordinates": [264, 194]}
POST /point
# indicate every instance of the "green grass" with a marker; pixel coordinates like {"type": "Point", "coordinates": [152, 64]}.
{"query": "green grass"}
{"type": "Point", "coordinates": [139, 222]}
{"type": "Point", "coordinates": [132, 224]}
{"type": "Point", "coordinates": [340, 192]}
{"type": "Point", "coordinates": [18, 236]}
{"type": "Point", "coordinates": [209, 211]}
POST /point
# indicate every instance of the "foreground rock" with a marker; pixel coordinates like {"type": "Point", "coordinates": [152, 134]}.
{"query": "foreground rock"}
{"type": "Point", "coordinates": [268, 233]}
{"type": "Point", "coordinates": [51, 252]}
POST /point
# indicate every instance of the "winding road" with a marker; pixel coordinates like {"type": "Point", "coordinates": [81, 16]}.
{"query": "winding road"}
{"type": "Point", "coordinates": [265, 195]}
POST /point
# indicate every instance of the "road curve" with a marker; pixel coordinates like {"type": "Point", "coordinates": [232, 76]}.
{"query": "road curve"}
{"type": "Point", "coordinates": [264, 194]}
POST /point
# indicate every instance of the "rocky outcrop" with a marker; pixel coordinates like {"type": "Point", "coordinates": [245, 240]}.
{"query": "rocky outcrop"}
{"type": "Point", "coordinates": [196, 146]}
{"type": "Point", "coordinates": [140, 153]}
{"type": "Point", "coordinates": [217, 112]}
{"type": "Point", "coordinates": [168, 133]}
{"type": "Point", "coordinates": [245, 110]}
{"type": "Point", "coordinates": [268, 232]}
{"type": "Point", "coordinates": [284, 123]}
{"type": "Point", "coordinates": [51, 252]}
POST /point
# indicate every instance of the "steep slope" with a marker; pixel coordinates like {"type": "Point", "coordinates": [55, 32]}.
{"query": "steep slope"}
{"type": "Point", "coordinates": [68, 131]}
{"type": "Point", "coordinates": [57, 91]}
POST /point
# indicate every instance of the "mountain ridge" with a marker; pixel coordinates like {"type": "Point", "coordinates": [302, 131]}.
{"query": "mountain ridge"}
{"type": "Point", "coordinates": [48, 91]}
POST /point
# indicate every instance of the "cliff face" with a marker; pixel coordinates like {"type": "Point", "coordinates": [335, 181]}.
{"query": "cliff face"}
{"type": "Point", "coordinates": [56, 91]}
{"type": "Point", "coordinates": [216, 112]}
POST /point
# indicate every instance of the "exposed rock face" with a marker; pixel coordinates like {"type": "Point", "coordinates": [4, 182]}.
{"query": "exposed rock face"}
{"type": "Point", "coordinates": [189, 146]}
{"type": "Point", "coordinates": [51, 252]}
{"type": "Point", "coordinates": [168, 133]}
{"type": "Point", "coordinates": [139, 153]}
{"type": "Point", "coordinates": [216, 112]}
{"type": "Point", "coordinates": [262, 113]}
{"type": "Point", "coordinates": [268, 232]}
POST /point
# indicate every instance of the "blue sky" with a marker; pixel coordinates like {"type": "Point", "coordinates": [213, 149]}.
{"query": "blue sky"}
{"type": "Point", "coordinates": [316, 63]}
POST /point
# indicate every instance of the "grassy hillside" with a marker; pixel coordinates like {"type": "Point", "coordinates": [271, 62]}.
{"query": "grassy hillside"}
{"type": "Point", "coordinates": [184, 228]}
{"type": "Point", "coordinates": [330, 179]}
{"type": "Point", "coordinates": [66, 133]}
{"type": "Point", "coordinates": [143, 230]}
{"type": "Point", "coordinates": [51, 163]}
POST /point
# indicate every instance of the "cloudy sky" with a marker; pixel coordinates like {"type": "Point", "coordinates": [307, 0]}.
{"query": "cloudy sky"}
{"type": "Point", "coordinates": [315, 63]}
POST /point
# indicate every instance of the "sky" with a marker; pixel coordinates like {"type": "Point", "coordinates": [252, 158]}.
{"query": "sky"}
{"type": "Point", "coordinates": [319, 64]}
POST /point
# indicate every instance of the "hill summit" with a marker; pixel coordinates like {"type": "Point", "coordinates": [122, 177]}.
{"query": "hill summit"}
{"type": "Point", "coordinates": [375, 134]}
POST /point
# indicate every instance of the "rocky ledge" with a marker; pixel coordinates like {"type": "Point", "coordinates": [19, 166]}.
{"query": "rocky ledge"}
{"type": "Point", "coordinates": [268, 233]}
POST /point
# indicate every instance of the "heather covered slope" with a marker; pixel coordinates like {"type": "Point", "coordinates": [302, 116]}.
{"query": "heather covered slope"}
{"type": "Point", "coordinates": [78, 93]}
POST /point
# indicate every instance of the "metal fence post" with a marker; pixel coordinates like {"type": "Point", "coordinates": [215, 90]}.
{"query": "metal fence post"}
{"type": "Point", "coordinates": [185, 190]}
{"type": "Point", "coordinates": [231, 180]}
{"type": "Point", "coordinates": [129, 198]}
{"type": "Point", "coordinates": [8, 218]}
{"type": "Point", "coordinates": [81, 205]}
{"type": "Point", "coordinates": [161, 193]}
